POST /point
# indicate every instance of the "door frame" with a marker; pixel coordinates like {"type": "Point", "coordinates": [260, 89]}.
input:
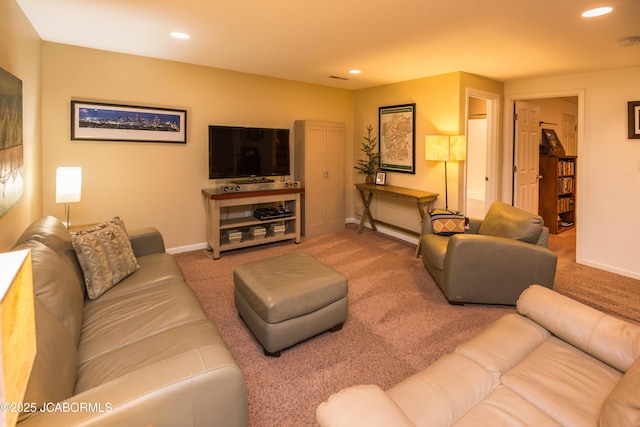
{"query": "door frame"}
{"type": "Point", "coordinates": [493, 142]}
{"type": "Point", "coordinates": [509, 139]}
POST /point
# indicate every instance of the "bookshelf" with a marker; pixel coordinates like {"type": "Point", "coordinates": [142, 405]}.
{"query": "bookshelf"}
{"type": "Point", "coordinates": [557, 192]}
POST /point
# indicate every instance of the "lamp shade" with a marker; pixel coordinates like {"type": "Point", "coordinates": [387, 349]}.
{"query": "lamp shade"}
{"type": "Point", "coordinates": [18, 329]}
{"type": "Point", "coordinates": [68, 184]}
{"type": "Point", "coordinates": [457, 148]}
{"type": "Point", "coordinates": [436, 148]}
{"type": "Point", "coordinates": [444, 148]}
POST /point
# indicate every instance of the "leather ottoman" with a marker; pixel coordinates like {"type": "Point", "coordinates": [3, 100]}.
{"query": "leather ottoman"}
{"type": "Point", "coordinates": [289, 298]}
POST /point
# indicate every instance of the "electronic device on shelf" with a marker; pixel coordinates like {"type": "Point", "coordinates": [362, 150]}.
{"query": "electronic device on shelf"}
{"type": "Point", "coordinates": [271, 213]}
{"type": "Point", "coordinates": [260, 184]}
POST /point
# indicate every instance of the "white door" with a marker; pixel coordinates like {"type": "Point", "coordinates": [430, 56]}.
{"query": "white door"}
{"type": "Point", "coordinates": [526, 156]}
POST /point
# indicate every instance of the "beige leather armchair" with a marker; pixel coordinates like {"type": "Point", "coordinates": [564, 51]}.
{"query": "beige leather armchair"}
{"type": "Point", "coordinates": [494, 261]}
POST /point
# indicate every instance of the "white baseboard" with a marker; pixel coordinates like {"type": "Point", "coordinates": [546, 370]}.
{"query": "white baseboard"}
{"type": "Point", "coordinates": [381, 229]}
{"type": "Point", "coordinates": [610, 269]}
{"type": "Point", "coordinates": [188, 248]}
{"type": "Point", "coordinates": [385, 230]}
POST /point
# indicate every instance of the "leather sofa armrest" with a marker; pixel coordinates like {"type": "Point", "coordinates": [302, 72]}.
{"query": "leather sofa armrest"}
{"type": "Point", "coordinates": [364, 405]}
{"type": "Point", "coordinates": [607, 338]}
{"type": "Point", "coordinates": [499, 268]}
{"type": "Point", "coordinates": [145, 241]}
{"type": "Point", "coordinates": [469, 249]}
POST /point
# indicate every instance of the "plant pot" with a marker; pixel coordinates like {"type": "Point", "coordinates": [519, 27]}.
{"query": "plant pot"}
{"type": "Point", "coordinates": [368, 179]}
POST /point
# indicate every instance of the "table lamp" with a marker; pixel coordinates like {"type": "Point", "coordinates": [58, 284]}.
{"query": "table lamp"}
{"type": "Point", "coordinates": [68, 187]}
{"type": "Point", "coordinates": [18, 330]}
{"type": "Point", "coordinates": [444, 148]}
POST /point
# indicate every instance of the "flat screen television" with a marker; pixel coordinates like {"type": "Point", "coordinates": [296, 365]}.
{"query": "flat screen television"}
{"type": "Point", "coordinates": [247, 152]}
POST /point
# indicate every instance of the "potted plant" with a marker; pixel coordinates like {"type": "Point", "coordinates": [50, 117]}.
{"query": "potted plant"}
{"type": "Point", "coordinates": [371, 163]}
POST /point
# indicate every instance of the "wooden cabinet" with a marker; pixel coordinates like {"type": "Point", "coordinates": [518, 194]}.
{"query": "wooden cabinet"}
{"type": "Point", "coordinates": [319, 165]}
{"type": "Point", "coordinates": [557, 192]}
{"type": "Point", "coordinates": [220, 228]}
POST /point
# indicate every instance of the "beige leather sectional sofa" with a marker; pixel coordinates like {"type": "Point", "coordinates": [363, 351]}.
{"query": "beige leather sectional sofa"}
{"type": "Point", "coordinates": [555, 363]}
{"type": "Point", "coordinates": [142, 353]}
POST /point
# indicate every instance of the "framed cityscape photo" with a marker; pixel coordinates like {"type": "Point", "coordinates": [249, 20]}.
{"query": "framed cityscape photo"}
{"type": "Point", "coordinates": [94, 121]}
{"type": "Point", "coordinates": [396, 130]}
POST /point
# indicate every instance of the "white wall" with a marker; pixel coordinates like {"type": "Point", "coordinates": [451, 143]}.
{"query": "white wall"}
{"type": "Point", "coordinates": [608, 193]}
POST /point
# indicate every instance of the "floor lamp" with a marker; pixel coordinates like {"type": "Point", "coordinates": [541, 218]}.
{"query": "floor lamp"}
{"type": "Point", "coordinates": [68, 187]}
{"type": "Point", "coordinates": [444, 148]}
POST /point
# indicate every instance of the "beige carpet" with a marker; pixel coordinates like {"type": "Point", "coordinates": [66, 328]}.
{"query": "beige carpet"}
{"type": "Point", "coordinates": [398, 321]}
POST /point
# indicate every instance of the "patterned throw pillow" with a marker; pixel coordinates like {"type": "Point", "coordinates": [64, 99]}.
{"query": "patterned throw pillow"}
{"type": "Point", "coordinates": [105, 255]}
{"type": "Point", "coordinates": [447, 223]}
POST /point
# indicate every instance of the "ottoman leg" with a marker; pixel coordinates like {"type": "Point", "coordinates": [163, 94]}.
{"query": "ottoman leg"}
{"type": "Point", "coordinates": [336, 328]}
{"type": "Point", "coordinates": [274, 354]}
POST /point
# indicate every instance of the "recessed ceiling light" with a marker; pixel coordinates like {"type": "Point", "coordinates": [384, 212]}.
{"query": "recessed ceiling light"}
{"type": "Point", "coordinates": [183, 36]}
{"type": "Point", "coordinates": [598, 11]}
{"type": "Point", "coordinates": [355, 71]}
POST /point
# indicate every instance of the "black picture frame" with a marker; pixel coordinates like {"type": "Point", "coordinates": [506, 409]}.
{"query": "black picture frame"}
{"type": "Point", "coordinates": [381, 178]}
{"type": "Point", "coordinates": [397, 138]}
{"type": "Point", "coordinates": [97, 121]}
{"type": "Point", "coordinates": [634, 119]}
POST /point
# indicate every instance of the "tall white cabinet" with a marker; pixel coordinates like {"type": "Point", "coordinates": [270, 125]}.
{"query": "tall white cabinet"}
{"type": "Point", "coordinates": [319, 165]}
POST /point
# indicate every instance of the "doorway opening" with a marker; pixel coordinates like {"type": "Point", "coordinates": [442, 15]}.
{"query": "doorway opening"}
{"type": "Point", "coordinates": [482, 165]}
{"type": "Point", "coordinates": [562, 114]}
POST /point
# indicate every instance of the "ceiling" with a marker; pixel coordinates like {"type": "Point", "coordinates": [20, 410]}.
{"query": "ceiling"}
{"type": "Point", "coordinates": [390, 41]}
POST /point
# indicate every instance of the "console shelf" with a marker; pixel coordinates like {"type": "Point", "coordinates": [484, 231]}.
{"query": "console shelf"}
{"type": "Point", "coordinates": [217, 239]}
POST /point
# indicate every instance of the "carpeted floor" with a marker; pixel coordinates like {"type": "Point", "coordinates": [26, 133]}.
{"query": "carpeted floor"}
{"type": "Point", "coordinates": [398, 321]}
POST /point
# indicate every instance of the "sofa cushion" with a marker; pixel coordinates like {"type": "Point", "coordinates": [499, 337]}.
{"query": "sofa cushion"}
{"type": "Point", "coordinates": [113, 323]}
{"type": "Point", "coordinates": [563, 382]}
{"type": "Point", "coordinates": [106, 256]}
{"type": "Point", "coordinates": [622, 406]}
{"type": "Point", "coordinates": [504, 220]}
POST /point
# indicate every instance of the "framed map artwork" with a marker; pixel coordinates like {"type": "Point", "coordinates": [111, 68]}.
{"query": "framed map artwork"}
{"type": "Point", "coordinates": [396, 130]}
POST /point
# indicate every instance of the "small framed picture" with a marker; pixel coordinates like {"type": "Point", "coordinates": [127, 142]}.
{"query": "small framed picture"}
{"type": "Point", "coordinates": [381, 178]}
{"type": "Point", "coordinates": [634, 119]}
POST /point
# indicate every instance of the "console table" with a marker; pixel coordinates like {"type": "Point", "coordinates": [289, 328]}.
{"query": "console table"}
{"type": "Point", "coordinates": [420, 198]}
{"type": "Point", "coordinates": [217, 200]}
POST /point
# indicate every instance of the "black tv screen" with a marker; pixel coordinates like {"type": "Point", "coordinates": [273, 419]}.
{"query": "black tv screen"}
{"type": "Point", "coordinates": [241, 152]}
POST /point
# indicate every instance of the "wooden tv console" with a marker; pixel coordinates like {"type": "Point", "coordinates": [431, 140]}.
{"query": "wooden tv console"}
{"type": "Point", "coordinates": [218, 226]}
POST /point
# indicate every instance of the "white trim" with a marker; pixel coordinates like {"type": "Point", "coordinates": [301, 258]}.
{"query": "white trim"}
{"type": "Point", "coordinates": [188, 248]}
{"type": "Point", "coordinates": [384, 230]}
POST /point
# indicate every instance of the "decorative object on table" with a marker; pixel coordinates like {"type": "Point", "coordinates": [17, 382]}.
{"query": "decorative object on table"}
{"type": "Point", "coordinates": [371, 163]}
{"type": "Point", "coordinates": [446, 223]}
{"type": "Point", "coordinates": [445, 148]}
{"type": "Point", "coordinates": [11, 148]}
{"type": "Point", "coordinates": [18, 326]}
{"type": "Point", "coordinates": [634, 119]}
{"type": "Point", "coordinates": [397, 125]}
{"type": "Point", "coordinates": [96, 121]}
{"type": "Point", "coordinates": [381, 178]}
{"type": "Point", "coordinates": [68, 187]}
{"type": "Point", "coordinates": [550, 144]}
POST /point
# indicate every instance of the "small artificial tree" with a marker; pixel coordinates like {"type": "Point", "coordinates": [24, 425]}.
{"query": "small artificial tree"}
{"type": "Point", "coordinates": [371, 163]}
